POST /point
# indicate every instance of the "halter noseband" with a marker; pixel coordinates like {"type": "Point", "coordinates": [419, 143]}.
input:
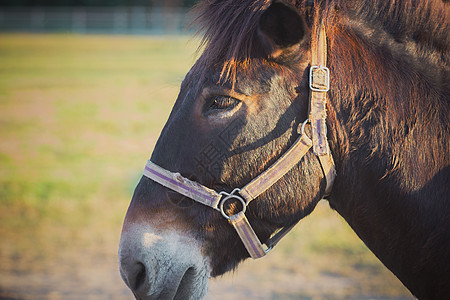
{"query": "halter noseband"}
{"type": "Point", "coordinates": [319, 85]}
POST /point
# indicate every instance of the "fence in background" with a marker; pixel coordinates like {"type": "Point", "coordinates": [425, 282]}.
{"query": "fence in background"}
{"type": "Point", "coordinates": [105, 20]}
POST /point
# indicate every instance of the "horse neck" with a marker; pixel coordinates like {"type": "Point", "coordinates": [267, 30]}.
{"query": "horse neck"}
{"type": "Point", "coordinates": [392, 186]}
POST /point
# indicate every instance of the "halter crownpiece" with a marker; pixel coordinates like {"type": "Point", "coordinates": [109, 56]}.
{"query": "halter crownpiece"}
{"type": "Point", "coordinates": [319, 85]}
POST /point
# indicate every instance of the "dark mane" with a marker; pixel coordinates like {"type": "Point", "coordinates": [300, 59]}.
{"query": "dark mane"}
{"type": "Point", "coordinates": [424, 22]}
{"type": "Point", "coordinates": [229, 27]}
{"type": "Point", "coordinates": [229, 31]}
{"type": "Point", "coordinates": [395, 57]}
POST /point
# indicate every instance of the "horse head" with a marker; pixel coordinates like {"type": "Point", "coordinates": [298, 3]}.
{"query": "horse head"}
{"type": "Point", "coordinates": [234, 117]}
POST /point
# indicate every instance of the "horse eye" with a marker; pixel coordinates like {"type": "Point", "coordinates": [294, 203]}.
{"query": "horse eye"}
{"type": "Point", "coordinates": [223, 102]}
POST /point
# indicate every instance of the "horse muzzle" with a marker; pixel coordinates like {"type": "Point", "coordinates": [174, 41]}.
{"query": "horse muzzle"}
{"type": "Point", "coordinates": [159, 264]}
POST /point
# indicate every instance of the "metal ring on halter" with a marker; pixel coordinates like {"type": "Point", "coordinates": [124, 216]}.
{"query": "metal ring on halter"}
{"type": "Point", "coordinates": [232, 196]}
{"type": "Point", "coordinates": [303, 126]}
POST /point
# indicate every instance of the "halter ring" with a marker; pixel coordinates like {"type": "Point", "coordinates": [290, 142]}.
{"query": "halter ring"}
{"type": "Point", "coordinates": [229, 196]}
{"type": "Point", "coordinates": [303, 126]}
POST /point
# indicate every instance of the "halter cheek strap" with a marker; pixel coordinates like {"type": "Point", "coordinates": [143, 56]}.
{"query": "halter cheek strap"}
{"type": "Point", "coordinates": [319, 85]}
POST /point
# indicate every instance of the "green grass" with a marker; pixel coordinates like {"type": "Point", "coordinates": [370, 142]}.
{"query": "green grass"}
{"type": "Point", "coordinates": [79, 116]}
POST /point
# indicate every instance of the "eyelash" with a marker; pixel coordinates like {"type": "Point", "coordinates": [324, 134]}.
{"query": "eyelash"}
{"type": "Point", "coordinates": [223, 102]}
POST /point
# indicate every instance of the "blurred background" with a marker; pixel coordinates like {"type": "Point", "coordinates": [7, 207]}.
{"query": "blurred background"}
{"type": "Point", "coordinates": [95, 16]}
{"type": "Point", "coordinates": [85, 89]}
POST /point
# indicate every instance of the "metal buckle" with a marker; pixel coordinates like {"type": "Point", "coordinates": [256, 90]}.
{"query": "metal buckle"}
{"type": "Point", "coordinates": [229, 196]}
{"type": "Point", "coordinates": [319, 79]}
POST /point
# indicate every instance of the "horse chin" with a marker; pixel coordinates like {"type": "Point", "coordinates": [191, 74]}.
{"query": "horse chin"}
{"type": "Point", "coordinates": [162, 265]}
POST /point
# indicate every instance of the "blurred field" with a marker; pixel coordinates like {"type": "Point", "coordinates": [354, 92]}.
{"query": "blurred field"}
{"type": "Point", "coordinates": [79, 116]}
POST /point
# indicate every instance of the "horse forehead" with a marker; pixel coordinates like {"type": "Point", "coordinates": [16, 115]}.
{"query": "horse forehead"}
{"type": "Point", "coordinates": [249, 76]}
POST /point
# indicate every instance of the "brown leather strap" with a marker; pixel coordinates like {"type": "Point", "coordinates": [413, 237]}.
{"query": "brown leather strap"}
{"type": "Point", "coordinates": [273, 241]}
{"type": "Point", "coordinates": [285, 163]}
{"type": "Point", "coordinates": [319, 85]}
{"type": "Point", "coordinates": [319, 47]}
{"type": "Point", "coordinates": [327, 164]}
{"type": "Point", "coordinates": [182, 185]}
{"type": "Point", "coordinates": [247, 235]}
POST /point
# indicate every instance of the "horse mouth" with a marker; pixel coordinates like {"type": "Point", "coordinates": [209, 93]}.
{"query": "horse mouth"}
{"type": "Point", "coordinates": [192, 284]}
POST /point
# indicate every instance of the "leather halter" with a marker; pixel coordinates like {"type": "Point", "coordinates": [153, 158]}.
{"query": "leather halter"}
{"type": "Point", "coordinates": [319, 85]}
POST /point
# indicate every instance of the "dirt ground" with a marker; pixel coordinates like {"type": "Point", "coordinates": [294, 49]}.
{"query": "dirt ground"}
{"type": "Point", "coordinates": [83, 265]}
{"type": "Point", "coordinates": [95, 276]}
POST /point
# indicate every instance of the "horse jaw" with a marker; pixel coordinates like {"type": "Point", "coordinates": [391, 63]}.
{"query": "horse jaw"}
{"type": "Point", "coordinates": [159, 264]}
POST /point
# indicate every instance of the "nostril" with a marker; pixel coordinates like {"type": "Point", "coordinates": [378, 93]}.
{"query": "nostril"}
{"type": "Point", "coordinates": [186, 284]}
{"type": "Point", "coordinates": [139, 277]}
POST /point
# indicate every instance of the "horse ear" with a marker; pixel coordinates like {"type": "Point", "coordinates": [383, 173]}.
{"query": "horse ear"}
{"type": "Point", "coordinates": [282, 27]}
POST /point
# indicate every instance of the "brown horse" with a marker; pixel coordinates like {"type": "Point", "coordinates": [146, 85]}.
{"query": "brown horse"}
{"type": "Point", "coordinates": [239, 110]}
